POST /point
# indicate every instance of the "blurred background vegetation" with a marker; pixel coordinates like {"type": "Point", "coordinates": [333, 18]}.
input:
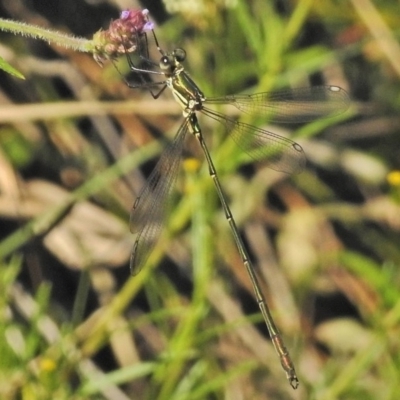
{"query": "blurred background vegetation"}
{"type": "Point", "coordinates": [76, 145]}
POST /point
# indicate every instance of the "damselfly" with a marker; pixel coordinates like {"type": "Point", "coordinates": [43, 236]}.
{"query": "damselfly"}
{"type": "Point", "coordinates": [282, 154]}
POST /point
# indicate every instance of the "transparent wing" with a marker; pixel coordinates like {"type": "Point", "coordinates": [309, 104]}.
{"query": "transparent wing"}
{"type": "Point", "coordinates": [292, 105]}
{"type": "Point", "coordinates": [148, 211]}
{"type": "Point", "coordinates": [280, 153]}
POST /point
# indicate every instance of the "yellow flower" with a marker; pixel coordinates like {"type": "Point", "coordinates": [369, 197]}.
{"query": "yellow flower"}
{"type": "Point", "coordinates": [191, 164]}
{"type": "Point", "coordinates": [393, 178]}
{"type": "Point", "coordinates": [47, 365]}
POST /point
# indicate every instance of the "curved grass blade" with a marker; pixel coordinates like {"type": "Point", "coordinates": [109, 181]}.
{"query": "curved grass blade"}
{"type": "Point", "coordinates": [5, 66]}
{"type": "Point", "coordinates": [148, 211]}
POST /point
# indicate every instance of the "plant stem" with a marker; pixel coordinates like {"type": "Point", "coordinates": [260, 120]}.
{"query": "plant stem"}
{"type": "Point", "coordinates": [36, 32]}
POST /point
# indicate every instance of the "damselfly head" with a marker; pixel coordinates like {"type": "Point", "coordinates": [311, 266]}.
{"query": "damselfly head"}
{"type": "Point", "coordinates": [171, 61]}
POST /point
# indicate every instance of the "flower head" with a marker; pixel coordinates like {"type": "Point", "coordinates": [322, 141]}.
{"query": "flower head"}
{"type": "Point", "coordinates": [122, 36]}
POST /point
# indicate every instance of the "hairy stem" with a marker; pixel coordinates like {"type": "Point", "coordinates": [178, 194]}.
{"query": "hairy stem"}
{"type": "Point", "coordinates": [36, 32]}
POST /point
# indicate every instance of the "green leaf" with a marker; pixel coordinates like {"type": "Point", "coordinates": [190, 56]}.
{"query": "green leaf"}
{"type": "Point", "coordinates": [5, 66]}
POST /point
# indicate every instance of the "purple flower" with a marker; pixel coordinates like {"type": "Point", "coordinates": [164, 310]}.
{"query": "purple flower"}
{"type": "Point", "coordinates": [122, 35]}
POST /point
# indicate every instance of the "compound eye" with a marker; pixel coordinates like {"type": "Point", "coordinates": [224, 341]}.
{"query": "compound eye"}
{"type": "Point", "coordinates": [165, 63]}
{"type": "Point", "coordinates": [179, 54]}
